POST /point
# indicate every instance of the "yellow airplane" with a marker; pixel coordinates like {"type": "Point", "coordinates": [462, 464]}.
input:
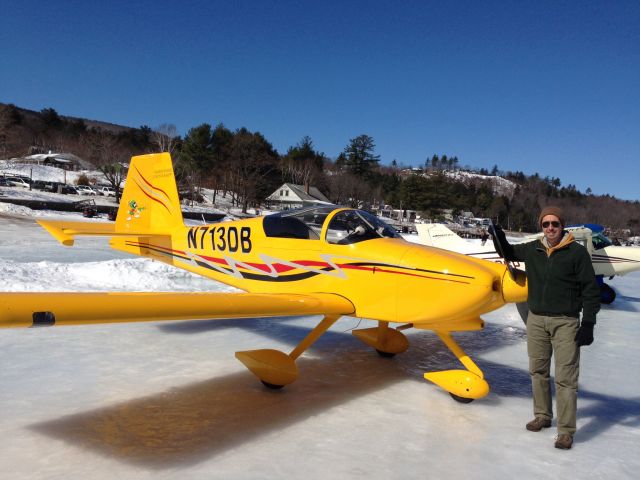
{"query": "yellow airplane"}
{"type": "Point", "coordinates": [326, 260]}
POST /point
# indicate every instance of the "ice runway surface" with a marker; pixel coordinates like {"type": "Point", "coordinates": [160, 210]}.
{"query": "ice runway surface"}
{"type": "Point", "coordinates": [169, 400]}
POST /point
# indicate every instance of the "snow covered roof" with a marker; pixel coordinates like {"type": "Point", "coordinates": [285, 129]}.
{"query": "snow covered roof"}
{"type": "Point", "coordinates": [314, 193]}
{"type": "Point", "coordinates": [299, 192]}
{"type": "Point", "coordinates": [67, 158]}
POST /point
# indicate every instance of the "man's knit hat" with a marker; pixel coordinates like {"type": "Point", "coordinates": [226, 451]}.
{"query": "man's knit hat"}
{"type": "Point", "coordinates": [551, 210]}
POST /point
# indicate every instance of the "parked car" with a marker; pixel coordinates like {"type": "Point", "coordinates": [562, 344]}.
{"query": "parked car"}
{"type": "Point", "coordinates": [70, 190]}
{"type": "Point", "coordinates": [3, 182]}
{"type": "Point", "coordinates": [107, 191]}
{"type": "Point", "coordinates": [39, 185]}
{"type": "Point", "coordinates": [53, 186]}
{"type": "Point", "coordinates": [86, 190]}
{"type": "Point", "coordinates": [23, 182]}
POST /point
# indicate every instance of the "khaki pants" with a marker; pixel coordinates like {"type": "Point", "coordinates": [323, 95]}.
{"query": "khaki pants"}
{"type": "Point", "coordinates": [547, 336]}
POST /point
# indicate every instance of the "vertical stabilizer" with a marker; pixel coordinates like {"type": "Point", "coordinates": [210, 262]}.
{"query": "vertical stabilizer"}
{"type": "Point", "coordinates": [150, 202]}
{"type": "Point", "coordinates": [437, 235]}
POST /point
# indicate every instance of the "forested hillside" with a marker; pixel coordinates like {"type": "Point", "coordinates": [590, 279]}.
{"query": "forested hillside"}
{"type": "Point", "coordinates": [245, 164]}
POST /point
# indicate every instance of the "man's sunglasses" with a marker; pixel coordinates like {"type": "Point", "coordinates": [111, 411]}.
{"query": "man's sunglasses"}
{"type": "Point", "coordinates": [553, 223]}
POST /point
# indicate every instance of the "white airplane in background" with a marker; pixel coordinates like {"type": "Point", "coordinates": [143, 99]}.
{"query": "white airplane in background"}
{"type": "Point", "coordinates": [608, 260]}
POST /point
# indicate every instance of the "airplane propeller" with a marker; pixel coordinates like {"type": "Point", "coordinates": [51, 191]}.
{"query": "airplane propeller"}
{"type": "Point", "coordinates": [498, 243]}
{"type": "Point", "coordinates": [523, 307]}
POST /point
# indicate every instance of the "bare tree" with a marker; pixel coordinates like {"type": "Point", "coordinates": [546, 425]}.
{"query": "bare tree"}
{"type": "Point", "coordinates": [348, 189]}
{"type": "Point", "coordinates": [165, 136]}
{"type": "Point", "coordinates": [11, 133]}
{"type": "Point", "coordinates": [301, 172]}
{"type": "Point", "coordinates": [252, 160]}
{"type": "Point", "coordinates": [108, 155]}
{"type": "Point", "coordinates": [5, 122]}
{"type": "Point", "coordinates": [302, 164]}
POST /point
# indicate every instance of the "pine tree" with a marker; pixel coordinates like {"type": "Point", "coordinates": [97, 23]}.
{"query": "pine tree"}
{"type": "Point", "coordinates": [359, 157]}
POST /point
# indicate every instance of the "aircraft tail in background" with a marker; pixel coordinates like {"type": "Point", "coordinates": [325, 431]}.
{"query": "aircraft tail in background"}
{"type": "Point", "coordinates": [437, 235]}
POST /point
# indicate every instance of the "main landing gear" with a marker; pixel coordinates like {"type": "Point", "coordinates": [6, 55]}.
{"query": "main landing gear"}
{"type": "Point", "coordinates": [607, 294]}
{"type": "Point", "coordinates": [387, 341]}
{"type": "Point", "coordinates": [275, 369]}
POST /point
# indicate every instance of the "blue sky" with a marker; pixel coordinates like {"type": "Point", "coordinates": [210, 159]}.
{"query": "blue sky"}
{"type": "Point", "coordinates": [548, 86]}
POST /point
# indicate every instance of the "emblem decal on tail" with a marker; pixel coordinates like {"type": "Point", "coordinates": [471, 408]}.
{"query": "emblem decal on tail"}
{"type": "Point", "coordinates": [134, 210]}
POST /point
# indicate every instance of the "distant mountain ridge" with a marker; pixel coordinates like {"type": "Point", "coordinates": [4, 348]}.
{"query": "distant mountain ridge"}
{"type": "Point", "coordinates": [499, 185]}
{"type": "Point", "coordinates": [33, 116]}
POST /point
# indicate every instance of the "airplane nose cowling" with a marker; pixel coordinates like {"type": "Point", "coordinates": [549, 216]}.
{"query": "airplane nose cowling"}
{"type": "Point", "coordinates": [444, 286]}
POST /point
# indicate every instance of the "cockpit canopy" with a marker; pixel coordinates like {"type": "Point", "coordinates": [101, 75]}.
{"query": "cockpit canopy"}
{"type": "Point", "coordinates": [599, 240]}
{"type": "Point", "coordinates": [345, 227]}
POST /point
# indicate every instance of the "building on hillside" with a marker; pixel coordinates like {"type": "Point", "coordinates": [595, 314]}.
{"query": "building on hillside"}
{"type": "Point", "coordinates": [389, 213]}
{"type": "Point", "coordinates": [66, 161]}
{"type": "Point", "coordinates": [402, 220]}
{"type": "Point", "coordinates": [289, 196]}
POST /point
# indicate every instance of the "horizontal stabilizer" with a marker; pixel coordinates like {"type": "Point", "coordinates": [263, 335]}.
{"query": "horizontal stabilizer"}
{"type": "Point", "coordinates": [65, 231]}
{"type": "Point", "coordinates": [24, 309]}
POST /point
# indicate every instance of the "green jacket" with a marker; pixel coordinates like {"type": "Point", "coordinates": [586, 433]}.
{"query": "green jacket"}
{"type": "Point", "coordinates": [562, 283]}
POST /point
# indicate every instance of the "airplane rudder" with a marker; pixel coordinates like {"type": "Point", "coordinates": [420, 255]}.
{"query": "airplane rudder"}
{"type": "Point", "coordinates": [150, 198]}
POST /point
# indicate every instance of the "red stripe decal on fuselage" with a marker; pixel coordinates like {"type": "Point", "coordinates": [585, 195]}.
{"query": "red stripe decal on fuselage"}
{"type": "Point", "coordinates": [280, 268]}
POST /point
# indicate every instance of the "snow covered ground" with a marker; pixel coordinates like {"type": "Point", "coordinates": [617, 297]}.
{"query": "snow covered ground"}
{"type": "Point", "coordinates": [53, 174]}
{"type": "Point", "coordinates": [169, 401]}
{"type": "Point", "coordinates": [47, 173]}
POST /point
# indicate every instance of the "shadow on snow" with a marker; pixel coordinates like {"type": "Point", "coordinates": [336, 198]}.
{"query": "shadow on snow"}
{"type": "Point", "coordinates": [191, 424]}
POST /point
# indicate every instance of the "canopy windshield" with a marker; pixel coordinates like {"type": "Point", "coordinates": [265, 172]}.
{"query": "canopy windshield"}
{"type": "Point", "coordinates": [346, 227]}
{"type": "Point", "coordinates": [600, 240]}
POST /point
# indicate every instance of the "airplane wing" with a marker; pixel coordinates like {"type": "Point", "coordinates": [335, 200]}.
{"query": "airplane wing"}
{"type": "Point", "coordinates": [22, 309]}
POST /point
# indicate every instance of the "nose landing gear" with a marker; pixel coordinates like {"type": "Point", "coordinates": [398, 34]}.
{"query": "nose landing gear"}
{"type": "Point", "coordinates": [464, 386]}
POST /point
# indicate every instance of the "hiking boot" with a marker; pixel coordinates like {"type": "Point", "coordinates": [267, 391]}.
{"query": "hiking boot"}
{"type": "Point", "coordinates": [538, 424]}
{"type": "Point", "coordinates": [564, 441]}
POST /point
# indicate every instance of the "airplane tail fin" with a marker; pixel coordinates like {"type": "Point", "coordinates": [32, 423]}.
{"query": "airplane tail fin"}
{"type": "Point", "coordinates": [437, 235]}
{"type": "Point", "coordinates": [149, 203]}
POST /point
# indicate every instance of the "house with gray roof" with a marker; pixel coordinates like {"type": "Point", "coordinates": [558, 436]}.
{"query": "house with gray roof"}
{"type": "Point", "coordinates": [289, 196]}
{"type": "Point", "coordinates": [66, 161]}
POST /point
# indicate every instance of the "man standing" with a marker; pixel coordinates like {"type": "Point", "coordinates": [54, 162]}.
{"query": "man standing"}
{"type": "Point", "coordinates": [484, 236]}
{"type": "Point", "coordinates": [561, 284]}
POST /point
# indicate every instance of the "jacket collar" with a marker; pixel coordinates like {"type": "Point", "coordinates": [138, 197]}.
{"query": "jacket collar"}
{"type": "Point", "coordinates": [567, 238]}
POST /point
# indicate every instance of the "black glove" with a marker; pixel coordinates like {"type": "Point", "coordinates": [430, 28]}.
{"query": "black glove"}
{"type": "Point", "coordinates": [498, 237]}
{"type": "Point", "coordinates": [585, 334]}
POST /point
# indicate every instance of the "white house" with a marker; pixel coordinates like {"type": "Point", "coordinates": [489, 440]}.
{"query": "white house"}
{"type": "Point", "coordinates": [289, 196]}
